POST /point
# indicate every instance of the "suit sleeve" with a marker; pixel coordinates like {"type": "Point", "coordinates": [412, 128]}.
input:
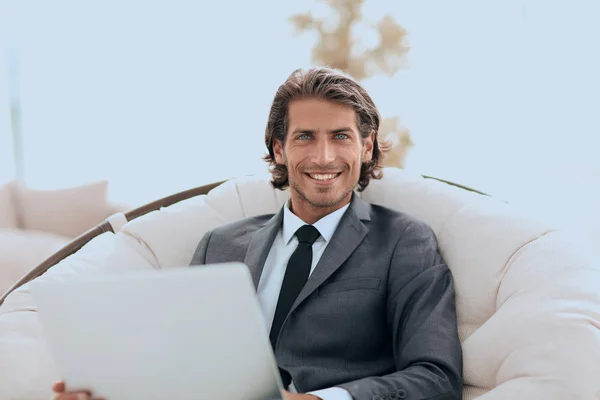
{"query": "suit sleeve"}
{"type": "Point", "coordinates": [421, 315]}
{"type": "Point", "coordinates": [199, 257]}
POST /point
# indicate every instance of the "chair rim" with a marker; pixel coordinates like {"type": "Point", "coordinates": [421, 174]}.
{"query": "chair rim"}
{"type": "Point", "coordinates": [77, 243]}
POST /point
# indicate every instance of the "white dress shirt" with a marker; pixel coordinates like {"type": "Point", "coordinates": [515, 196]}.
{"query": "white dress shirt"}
{"type": "Point", "coordinates": [273, 272]}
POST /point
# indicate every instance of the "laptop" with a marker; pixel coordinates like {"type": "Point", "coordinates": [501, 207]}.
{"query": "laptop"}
{"type": "Point", "coordinates": [178, 333]}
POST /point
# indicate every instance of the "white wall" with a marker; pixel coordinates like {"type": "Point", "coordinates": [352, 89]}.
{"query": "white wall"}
{"type": "Point", "coordinates": [501, 93]}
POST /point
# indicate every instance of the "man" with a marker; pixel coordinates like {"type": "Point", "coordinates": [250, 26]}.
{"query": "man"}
{"type": "Point", "coordinates": [359, 303]}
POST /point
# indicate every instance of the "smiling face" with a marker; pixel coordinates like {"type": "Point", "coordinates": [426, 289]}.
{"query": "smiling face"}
{"type": "Point", "coordinates": [323, 153]}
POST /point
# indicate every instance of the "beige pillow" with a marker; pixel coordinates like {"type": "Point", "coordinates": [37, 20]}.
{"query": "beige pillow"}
{"type": "Point", "coordinates": [8, 214]}
{"type": "Point", "coordinates": [67, 212]}
{"type": "Point", "coordinates": [22, 250]}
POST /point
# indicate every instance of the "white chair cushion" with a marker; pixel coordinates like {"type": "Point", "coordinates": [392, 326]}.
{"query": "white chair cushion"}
{"type": "Point", "coordinates": [27, 368]}
{"type": "Point", "coordinates": [173, 233]}
{"type": "Point", "coordinates": [528, 299]}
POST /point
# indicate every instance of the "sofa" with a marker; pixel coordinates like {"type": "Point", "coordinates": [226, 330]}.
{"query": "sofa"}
{"type": "Point", "coordinates": [527, 292]}
{"type": "Point", "coordinates": [35, 223]}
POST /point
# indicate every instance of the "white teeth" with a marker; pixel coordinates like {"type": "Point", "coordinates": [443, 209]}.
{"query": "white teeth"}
{"type": "Point", "coordinates": [323, 177]}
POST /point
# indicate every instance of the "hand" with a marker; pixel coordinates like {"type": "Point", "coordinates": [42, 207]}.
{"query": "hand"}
{"type": "Point", "coordinates": [59, 389]}
{"type": "Point", "coordinates": [297, 396]}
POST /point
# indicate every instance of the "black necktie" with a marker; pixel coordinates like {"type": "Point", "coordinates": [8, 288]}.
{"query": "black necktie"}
{"type": "Point", "coordinates": [296, 275]}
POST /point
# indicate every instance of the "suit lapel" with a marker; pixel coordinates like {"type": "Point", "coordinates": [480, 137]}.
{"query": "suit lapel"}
{"type": "Point", "coordinates": [349, 234]}
{"type": "Point", "coordinates": [259, 246]}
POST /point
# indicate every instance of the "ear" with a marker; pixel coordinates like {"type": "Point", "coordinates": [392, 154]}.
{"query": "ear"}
{"type": "Point", "coordinates": [278, 151]}
{"type": "Point", "coordinates": [368, 147]}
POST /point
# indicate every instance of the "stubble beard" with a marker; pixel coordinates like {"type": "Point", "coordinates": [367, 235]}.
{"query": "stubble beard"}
{"type": "Point", "coordinates": [322, 204]}
{"type": "Point", "coordinates": [307, 199]}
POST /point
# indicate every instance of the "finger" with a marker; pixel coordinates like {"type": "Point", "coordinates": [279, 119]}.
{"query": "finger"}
{"type": "Point", "coordinates": [58, 387]}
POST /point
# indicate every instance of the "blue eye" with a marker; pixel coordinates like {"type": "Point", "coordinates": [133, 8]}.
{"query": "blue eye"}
{"type": "Point", "coordinates": [341, 136]}
{"type": "Point", "coordinates": [303, 137]}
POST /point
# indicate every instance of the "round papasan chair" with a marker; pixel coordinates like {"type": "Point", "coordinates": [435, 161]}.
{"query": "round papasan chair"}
{"type": "Point", "coordinates": [527, 295]}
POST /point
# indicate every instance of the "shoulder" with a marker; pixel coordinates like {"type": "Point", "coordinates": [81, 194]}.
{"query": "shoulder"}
{"type": "Point", "coordinates": [413, 246]}
{"type": "Point", "coordinates": [241, 227]}
{"type": "Point", "coordinates": [400, 225]}
{"type": "Point", "coordinates": [409, 240]}
{"type": "Point", "coordinates": [228, 240]}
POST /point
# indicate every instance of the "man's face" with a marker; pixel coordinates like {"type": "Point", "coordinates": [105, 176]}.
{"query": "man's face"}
{"type": "Point", "coordinates": [323, 153]}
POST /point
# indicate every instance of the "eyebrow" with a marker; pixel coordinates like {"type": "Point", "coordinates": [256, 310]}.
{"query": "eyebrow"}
{"type": "Point", "coordinates": [332, 131]}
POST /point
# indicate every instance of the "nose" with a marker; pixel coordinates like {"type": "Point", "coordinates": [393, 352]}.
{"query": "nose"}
{"type": "Point", "coordinates": [323, 153]}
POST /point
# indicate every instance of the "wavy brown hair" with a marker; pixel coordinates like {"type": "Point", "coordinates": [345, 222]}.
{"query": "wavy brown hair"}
{"type": "Point", "coordinates": [326, 84]}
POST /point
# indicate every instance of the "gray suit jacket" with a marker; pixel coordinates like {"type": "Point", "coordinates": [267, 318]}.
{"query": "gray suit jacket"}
{"type": "Point", "coordinates": [377, 316]}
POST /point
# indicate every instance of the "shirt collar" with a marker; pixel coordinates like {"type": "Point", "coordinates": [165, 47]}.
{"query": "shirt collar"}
{"type": "Point", "coordinates": [326, 225]}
